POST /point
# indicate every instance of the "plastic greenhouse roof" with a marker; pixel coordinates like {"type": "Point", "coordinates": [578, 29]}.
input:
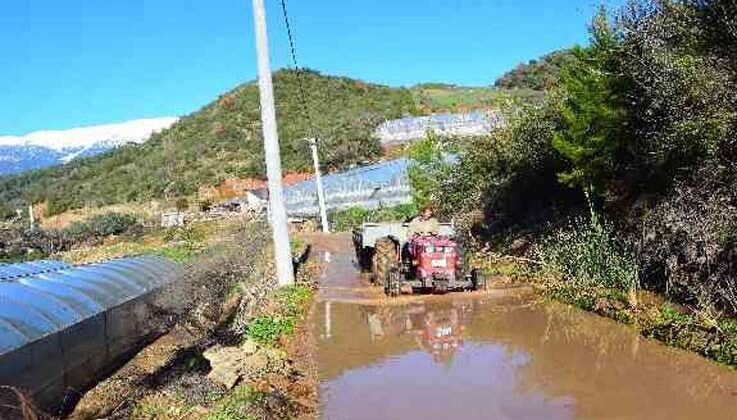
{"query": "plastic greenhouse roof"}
{"type": "Point", "coordinates": [28, 268]}
{"type": "Point", "coordinates": [377, 175]}
{"type": "Point", "coordinates": [35, 305]}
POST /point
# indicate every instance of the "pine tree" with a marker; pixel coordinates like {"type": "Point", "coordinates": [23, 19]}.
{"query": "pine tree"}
{"type": "Point", "coordinates": [591, 110]}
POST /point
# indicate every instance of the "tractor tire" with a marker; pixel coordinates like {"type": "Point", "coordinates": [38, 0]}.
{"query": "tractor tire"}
{"type": "Point", "coordinates": [392, 284]}
{"type": "Point", "coordinates": [479, 279]}
{"type": "Point", "coordinates": [384, 258]}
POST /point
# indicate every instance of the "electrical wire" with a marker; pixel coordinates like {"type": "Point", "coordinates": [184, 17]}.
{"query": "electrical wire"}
{"type": "Point", "coordinates": [298, 70]}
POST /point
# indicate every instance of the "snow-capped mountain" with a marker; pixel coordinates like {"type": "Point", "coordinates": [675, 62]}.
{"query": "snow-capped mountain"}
{"type": "Point", "coordinates": [47, 148]}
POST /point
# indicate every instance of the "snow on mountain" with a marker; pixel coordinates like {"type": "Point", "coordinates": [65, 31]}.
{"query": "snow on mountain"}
{"type": "Point", "coordinates": [135, 131]}
{"type": "Point", "coordinates": [52, 147]}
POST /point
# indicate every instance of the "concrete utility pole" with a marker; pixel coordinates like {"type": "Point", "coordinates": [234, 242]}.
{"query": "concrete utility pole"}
{"type": "Point", "coordinates": [282, 249]}
{"type": "Point", "coordinates": [320, 191]}
{"type": "Point", "coordinates": [31, 216]}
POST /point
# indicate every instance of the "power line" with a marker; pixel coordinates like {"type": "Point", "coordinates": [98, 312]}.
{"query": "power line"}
{"type": "Point", "coordinates": [310, 127]}
{"type": "Point", "coordinates": [298, 70]}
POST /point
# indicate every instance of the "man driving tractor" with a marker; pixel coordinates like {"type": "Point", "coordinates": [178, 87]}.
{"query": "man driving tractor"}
{"type": "Point", "coordinates": [424, 224]}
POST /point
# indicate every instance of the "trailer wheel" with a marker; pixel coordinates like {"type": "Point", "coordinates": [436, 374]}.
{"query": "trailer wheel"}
{"type": "Point", "coordinates": [392, 284]}
{"type": "Point", "coordinates": [384, 258]}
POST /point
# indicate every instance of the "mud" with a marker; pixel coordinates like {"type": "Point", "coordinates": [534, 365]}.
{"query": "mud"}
{"type": "Point", "coordinates": [505, 354]}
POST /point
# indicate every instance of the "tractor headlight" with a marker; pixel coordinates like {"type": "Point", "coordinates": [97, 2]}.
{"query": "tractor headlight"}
{"type": "Point", "coordinates": [448, 250]}
{"type": "Point", "coordinates": [429, 249]}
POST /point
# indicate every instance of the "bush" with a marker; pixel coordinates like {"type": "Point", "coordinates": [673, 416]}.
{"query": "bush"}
{"type": "Point", "coordinates": [6, 212]}
{"type": "Point", "coordinates": [101, 226]}
{"type": "Point", "coordinates": [347, 220]}
{"type": "Point", "coordinates": [509, 179]}
{"type": "Point", "coordinates": [587, 255]}
{"type": "Point", "coordinates": [430, 168]}
{"type": "Point", "coordinates": [681, 97]}
{"type": "Point", "coordinates": [21, 244]}
{"type": "Point", "coordinates": [689, 241]}
{"type": "Point", "coordinates": [18, 243]}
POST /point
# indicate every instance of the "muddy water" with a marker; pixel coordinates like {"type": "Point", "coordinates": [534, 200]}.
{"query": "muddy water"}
{"type": "Point", "coordinates": [498, 356]}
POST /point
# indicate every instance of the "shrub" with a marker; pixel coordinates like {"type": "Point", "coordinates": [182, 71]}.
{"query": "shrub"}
{"type": "Point", "coordinates": [6, 212]}
{"type": "Point", "coordinates": [689, 240]}
{"type": "Point", "coordinates": [509, 178]}
{"type": "Point", "coordinates": [19, 244]}
{"type": "Point", "coordinates": [101, 226]}
{"type": "Point", "coordinates": [587, 255]}
{"type": "Point", "coordinates": [347, 220]}
{"type": "Point", "coordinates": [430, 168]}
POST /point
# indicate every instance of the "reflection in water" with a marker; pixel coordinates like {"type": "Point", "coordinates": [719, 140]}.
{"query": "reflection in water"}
{"type": "Point", "coordinates": [414, 362]}
{"type": "Point", "coordinates": [437, 330]}
{"type": "Point", "coordinates": [506, 358]}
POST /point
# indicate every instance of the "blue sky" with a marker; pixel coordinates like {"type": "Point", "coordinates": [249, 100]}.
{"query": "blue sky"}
{"type": "Point", "coordinates": [81, 62]}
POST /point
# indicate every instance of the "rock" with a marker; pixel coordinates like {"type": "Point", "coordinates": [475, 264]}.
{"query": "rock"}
{"type": "Point", "coordinates": [249, 347]}
{"type": "Point", "coordinates": [226, 365]}
{"type": "Point", "coordinates": [230, 365]}
{"type": "Point", "coordinates": [255, 364]}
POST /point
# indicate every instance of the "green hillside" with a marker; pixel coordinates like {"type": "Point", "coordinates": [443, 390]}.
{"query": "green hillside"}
{"type": "Point", "coordinates": [439, 97]}
{"type": "Point", "coordinates": [536, 74]}
{"type": "Point", "coordinates": [220, 141]}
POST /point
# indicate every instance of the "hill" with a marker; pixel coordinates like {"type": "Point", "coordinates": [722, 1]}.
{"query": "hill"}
{"type": "Point", "coordinates": [536, 74]}
{"type": "Point", "coordinates": [222, 140]}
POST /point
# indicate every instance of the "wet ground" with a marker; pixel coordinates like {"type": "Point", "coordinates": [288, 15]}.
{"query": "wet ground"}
{"type": "Point", "coordinates": [504, 354]}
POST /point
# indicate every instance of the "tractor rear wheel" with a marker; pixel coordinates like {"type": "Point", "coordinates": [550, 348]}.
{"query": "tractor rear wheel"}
{"type": "Point", "coordinates": [384, 258]}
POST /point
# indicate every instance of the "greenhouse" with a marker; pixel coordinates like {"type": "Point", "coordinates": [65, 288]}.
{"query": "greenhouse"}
{"type": "Point", "coordinates": [62, 327]}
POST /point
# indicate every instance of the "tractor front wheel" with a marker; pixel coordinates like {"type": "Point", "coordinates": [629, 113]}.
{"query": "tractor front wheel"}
{"type": "Point", "coordinates": [478, 279]}
{"type": "Point", "coordinates": [392, 285]}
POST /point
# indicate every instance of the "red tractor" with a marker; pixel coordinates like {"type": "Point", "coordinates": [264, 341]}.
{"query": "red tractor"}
{"type": "Point", "coordinates": [418, 263]}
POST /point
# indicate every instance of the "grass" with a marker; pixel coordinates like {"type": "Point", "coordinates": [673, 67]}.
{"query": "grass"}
{"type": "Point", "coordinates": [688, 331]}
{"type": "Point", "coordinates": [290, 302]}
{"type": "Point", "coordinates": [586, 254]}
{"type": "Point", "coordinates": [463, 98]}
{"type": "Point", "coordinates": [236, 405]}
{"type": "Point", "coordinates": [163, 407]}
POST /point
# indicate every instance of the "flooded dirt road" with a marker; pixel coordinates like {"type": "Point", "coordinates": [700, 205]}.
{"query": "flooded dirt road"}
{"type": "Point", "coordinates": [500, 355]}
